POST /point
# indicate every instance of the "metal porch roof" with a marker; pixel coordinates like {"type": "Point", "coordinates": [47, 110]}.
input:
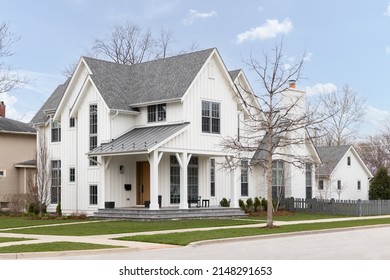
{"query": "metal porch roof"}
{"type": "Point", "coordinates": [140, 139]}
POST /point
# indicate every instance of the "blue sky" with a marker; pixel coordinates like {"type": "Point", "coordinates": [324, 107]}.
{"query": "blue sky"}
{"type": "Point", "coordinates": [344, 41]}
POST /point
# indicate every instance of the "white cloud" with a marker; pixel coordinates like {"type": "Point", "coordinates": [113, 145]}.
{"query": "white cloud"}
{"type": "Point", "coordinates": [193, 15]}
{"type": "Point", "coordinates": [308, 56]}
{"type": "Point", "coordinates": [321, 89]}
{"type": "Point", "coordinates": [270, 29]}
{"type": "Point", "coordinates": [374, 121]}
{"type": "Point", "coordinates": [387, 13]}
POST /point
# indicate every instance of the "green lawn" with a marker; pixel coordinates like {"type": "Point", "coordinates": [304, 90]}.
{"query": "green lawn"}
{"type": "Point", "coordinates": [15, 222]}
{"type": "Point", "coordinates": [113, 227]}
{"type": "Point", "coordinates": [12, 239]}
{"type": "Point", "coordinates": [189, 237]}
{"type": "Point", "coordinates": [52, 247]}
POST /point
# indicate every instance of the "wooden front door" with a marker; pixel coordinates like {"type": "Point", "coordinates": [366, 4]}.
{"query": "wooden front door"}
{"type": "Point", "coordinates": [143, 182]}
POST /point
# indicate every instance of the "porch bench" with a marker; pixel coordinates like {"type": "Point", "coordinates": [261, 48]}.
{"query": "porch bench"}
{"type": "Point", "coordinates": [194, 200]}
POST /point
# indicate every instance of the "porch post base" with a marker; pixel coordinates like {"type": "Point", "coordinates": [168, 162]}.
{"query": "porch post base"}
{"type": "Point", "coordinates": [183, 206]}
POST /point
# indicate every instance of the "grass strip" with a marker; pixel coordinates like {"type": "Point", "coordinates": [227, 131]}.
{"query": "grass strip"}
{"type": "Point", "coordinates": [16, 222]}
{"type": "Point", "coordinates": [13, 239]}
{"type": "Point", "coordinates": [114, 227]}
{"type": "Point", "coordinates": [186, 238]}
{"type": "Point", "coordinates": [53, 247]}
{"type": "Point", "coordinates": [296, 217]}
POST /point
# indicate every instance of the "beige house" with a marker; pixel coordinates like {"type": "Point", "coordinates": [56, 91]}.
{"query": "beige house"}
{"type": "Point", "coordinates": [17, 151]}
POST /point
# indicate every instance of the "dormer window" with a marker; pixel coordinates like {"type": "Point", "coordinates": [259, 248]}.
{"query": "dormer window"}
{"type": "Point", "coordinates": [349, 161]}
{"type": "Point", "coordinates": [157, 113]}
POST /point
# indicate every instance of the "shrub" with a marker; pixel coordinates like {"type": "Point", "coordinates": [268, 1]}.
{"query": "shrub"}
{"type": "Point", "coordinates": [58, 209]}
{"type": "Point", "coordinates": [264, 204]}
{"type": "Point", "coordinates": [257, 204]}
{"type": "Point", "coordinates": [242, 205]}
{"type": "Point", "coordinates": [249, 204]}
{"type": "Point", "coordinates": [224, 203]}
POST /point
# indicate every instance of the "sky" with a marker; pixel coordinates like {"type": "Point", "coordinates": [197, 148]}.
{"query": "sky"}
{"type": "Point", "coordinates": [343, 42]}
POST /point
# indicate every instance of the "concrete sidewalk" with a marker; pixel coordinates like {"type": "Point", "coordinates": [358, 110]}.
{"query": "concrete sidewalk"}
{"type": "Point", "coordinates": [133, 245]}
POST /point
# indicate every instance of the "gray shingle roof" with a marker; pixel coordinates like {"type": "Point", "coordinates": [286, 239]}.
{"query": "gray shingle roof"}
{"type": "Point", "coordinates": [261, 154]}
{"type": "Point", "coordinates": [330, 156]}
{"type": "Point", "coordinates": [140, 139]}
{"type": "Point", "coordinates": [123, 86]}
{"type": "Point", "coordinates": [8, 125]}
{"type": "Point", "coordinates": [234, 73]}
{"type": "Point", "coordinates": [28, 163]}
{"type": "Point", "coordinates": [51, 104]}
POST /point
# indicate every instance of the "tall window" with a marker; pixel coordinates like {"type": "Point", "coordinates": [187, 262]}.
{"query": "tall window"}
{"type": "Point", "coordinates": [93, 131]}
{"type": "Point", "coordinates": [55, 189]}
{"type": "Point", "coordinates": [309, 180]}
{"type": "Point", "coordinates": [157, 113]}
{"type": "Point", "coordinates": [359, 185]}
{"type": "Point", "coordinates": [175, 180]}
{"type": "Point", "coordinates": [339, 184]}
{"type": "Point", "coordinates": [72, 174]}
{"type": "Point", "coordinates": [244, 178]}
{"type": "Point", "coordinates": [72, 122]}
{"type": "Point", "coordinates": [93, 194]}
{"type": "Point", "coordinates": [55, 131]}
{"type": "Point", "coordinates": [193, 178]}
{"type": "Point", "coordinates": [349, 161]}
{"type": "Point", "coordinates": [321, 184]}
{"type": "Point", "coordinates": [212, 177]}
{"type": "Point", "coordinates": [277, 179]}
{"type": "Point", "coordinates": [211, 117]}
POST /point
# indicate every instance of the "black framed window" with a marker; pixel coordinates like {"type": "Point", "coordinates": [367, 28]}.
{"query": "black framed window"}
{"type": "Point", "coordinates": [174, 180]}
{"type": "Point", "coordinates": [359, 185]}
{"type": "Point", "coordinates": [212, 177]}
{"type": "Point", "coordinates": [244, 178]}
{"type": "Point", "coordinates": [72, 174]}
{"type": "Point", "coordinates": [277, 179]}
{"type": "Point", "coordinates": [321, 184]}
{"type": "Point", "coordinates": [157, 113]}
{"type": "Point", "coordinates": [93, 131]}
{"type": "Point", "coordinates": [349, 161]}
{"type": "Point", "coordinates": [55, 189]}
{"type": "Point", "coordinates": [55, 131]}
{"type": "Point", "coordinates": [93, 194]}
{"type": "Point", "coordinates": [309, 180]}
{"type": "Point", "coordinates": [72, 122]}
{"type": "Point", "coordinates": [339, 184]}
{"type": "Point", "coordinates": [211, 117]}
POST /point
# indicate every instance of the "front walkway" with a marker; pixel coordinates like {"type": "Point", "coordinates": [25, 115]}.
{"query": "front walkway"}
{"type": "Point", "coordinates": [133, 245]}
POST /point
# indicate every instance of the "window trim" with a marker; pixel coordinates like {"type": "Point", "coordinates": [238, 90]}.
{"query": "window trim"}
{"type": "Point", "coordinates": [244, 189]}
{"type": "Point", "coordinates": [93, 196]}
{"type": "Point", "coordinates": [72, 181]}
{"type": "Point", "coordinates": [212, 177]}
{"type": "Point", "coordinates": [55, 127]}
{"type": "Point", "coordinates": [157, 113]}
{"type": "Point", "coordinates": [93, 132]}
{"type": "Point", "coordinates": [212, 120]}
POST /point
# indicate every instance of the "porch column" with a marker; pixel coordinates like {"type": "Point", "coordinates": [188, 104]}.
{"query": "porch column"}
{"type": "Point", "coordinates": [154, 160]}
{"type": "Point", "coordinates": [104, 168]}
{"type": "Point", "coordinates": [183, 159]}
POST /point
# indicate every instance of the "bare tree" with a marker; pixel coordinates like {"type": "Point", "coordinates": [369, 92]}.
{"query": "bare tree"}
{"type": "Point", "coordinates": [40, 189]}
{"type": "Point", "coordinates": [163, 43]}
{"type": "Point", "coordinates": [126, 44]}
{"type": "Point", "coordinates": [346, 109]}
{"type": "Point", "coordinates": [9, 79]}
{"type": "Point", "coordinates": [278, 127]}
{"type": "Point", "coordinates": [375, 151]}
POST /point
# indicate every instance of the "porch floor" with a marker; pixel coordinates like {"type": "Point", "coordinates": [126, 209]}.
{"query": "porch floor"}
{"type": "Point", "coordinates": [168, 213]}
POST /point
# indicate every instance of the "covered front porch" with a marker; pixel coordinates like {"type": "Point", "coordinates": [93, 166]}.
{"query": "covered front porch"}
{"type": "Point", "coordinates": [154, 177]}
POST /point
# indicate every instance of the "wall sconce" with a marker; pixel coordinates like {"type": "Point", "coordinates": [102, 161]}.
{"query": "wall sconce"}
{"type": "Point", "coordinates": [121, 169]}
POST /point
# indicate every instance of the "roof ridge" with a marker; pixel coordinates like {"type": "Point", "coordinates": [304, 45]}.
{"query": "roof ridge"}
{"type": "Point", "coordinates": [149, 61]}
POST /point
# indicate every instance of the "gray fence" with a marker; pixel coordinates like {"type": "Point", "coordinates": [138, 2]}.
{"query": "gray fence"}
{"type": "Point", "coordinates": [342, 207]}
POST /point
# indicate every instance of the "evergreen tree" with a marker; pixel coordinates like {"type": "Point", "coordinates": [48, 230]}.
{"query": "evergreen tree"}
{"type": "Point", "coordinates": [380, 185]}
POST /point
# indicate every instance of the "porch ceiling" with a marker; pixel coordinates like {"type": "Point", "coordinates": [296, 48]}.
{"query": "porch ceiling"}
{"type": "Point", "coordinates": [140, 140]}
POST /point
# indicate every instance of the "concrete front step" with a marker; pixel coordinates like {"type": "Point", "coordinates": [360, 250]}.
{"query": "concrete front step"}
{"type": "Point", "coordinates": [168, 214]}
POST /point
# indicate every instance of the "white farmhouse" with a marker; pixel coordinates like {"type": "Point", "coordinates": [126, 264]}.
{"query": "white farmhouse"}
{"type": "Point", "coordinates": [149, 135]}
{"type": "Point", "coordinates": [343, 174]}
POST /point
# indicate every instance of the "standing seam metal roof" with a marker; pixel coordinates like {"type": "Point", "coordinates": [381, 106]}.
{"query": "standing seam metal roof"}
{"type": "Point", "coordinates": [138, 139]}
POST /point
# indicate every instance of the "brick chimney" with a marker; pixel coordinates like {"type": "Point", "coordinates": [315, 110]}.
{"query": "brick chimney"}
{"type": "Point", "coordinates": [2, 109]}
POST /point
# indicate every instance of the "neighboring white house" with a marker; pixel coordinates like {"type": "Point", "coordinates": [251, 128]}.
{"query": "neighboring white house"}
{"type": "Point", "coordinates": [136, 134]}
{"type": "Point", "coordinates": [343, 174]}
